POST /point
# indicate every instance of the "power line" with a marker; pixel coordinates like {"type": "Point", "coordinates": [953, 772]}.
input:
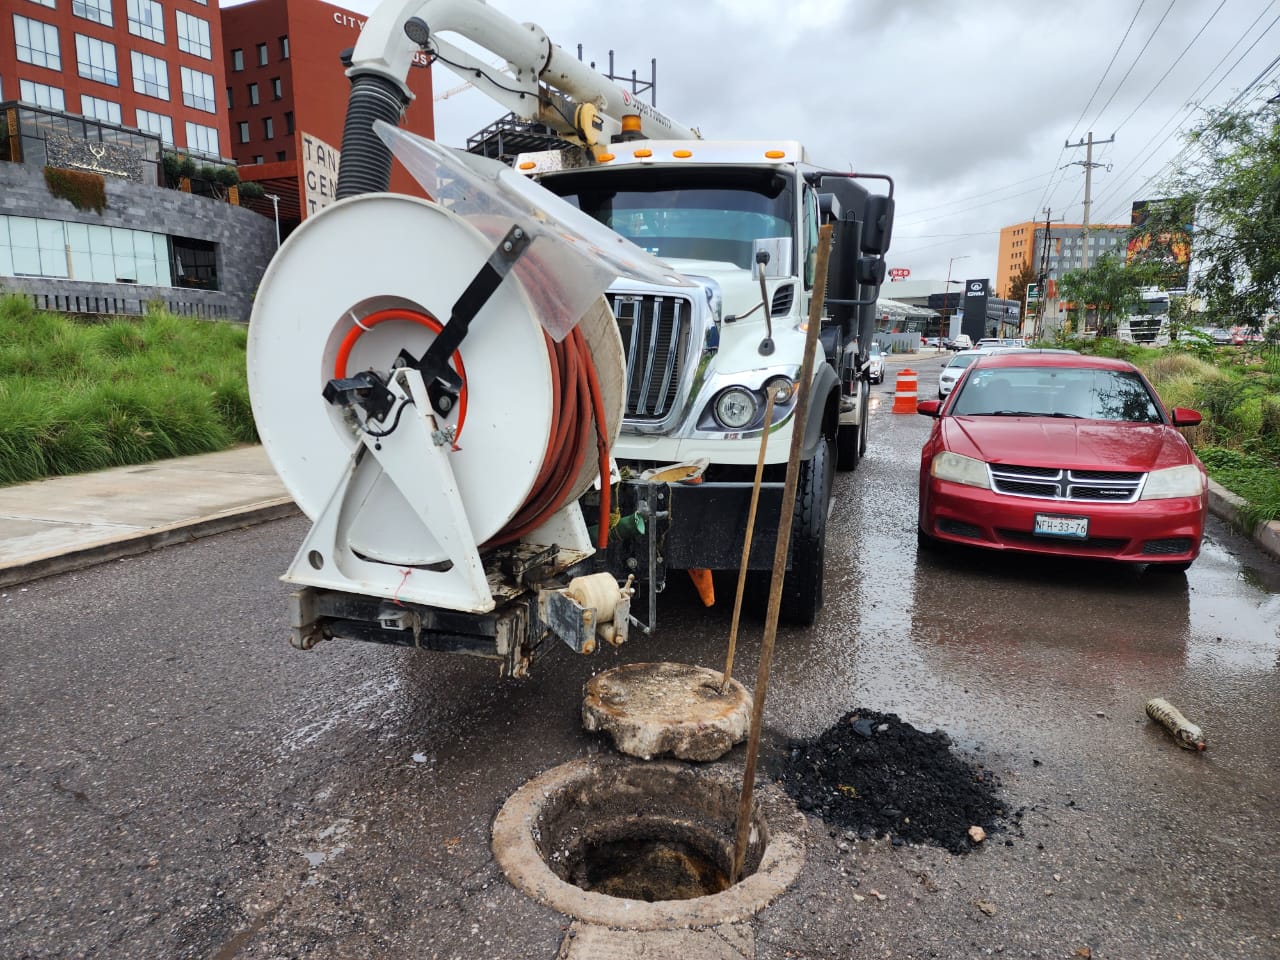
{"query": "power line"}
{"type": "Point", "coordinates": [976, 206]}
{"type": "Point", "coordinates": [1110, 195]}
{"type": "Point", "coordinates": [1134, 64]}
{"type": "Point", "coordinates": [984, 193]}
{"type": "Point", "coordinates": [1101, 79]}
{"type": "Point", "coordinates": [1176, 61]}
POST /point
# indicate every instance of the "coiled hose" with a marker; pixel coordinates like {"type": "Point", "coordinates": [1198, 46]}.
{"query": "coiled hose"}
{"type": "Point", "coordinates": [576, 405]}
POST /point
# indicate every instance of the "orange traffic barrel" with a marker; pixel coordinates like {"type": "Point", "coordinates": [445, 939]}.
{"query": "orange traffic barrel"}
{"type": "Point", "coordinates": [904, 392]}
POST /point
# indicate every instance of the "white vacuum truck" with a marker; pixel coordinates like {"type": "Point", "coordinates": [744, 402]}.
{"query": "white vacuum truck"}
{"type": "Point", "coordinates": [442, 384]}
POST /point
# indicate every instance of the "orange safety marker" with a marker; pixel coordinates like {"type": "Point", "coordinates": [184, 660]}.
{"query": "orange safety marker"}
{"type": "Point", "coordinates": [904, 392]}
{"type": "Point", "coordinates": [705, 585]}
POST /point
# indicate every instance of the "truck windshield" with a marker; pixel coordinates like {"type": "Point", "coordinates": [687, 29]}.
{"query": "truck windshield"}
{"type": "Point", "coordinates": [691, 213]}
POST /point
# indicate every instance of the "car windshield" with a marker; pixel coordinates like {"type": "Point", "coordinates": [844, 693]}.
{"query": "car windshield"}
{"type": "Point", "coordinates": [875, 350]}
{"type": "Point", "coordinates": [696, 214]}
{"type": "Point", "coordinates": [1079, 393]}
{"type": "Point", "coordinates": [963, 359]}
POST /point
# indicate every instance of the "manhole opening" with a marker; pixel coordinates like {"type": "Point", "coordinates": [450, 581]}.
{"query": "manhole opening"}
{"type": "Point", "coordinates": [646, 833]}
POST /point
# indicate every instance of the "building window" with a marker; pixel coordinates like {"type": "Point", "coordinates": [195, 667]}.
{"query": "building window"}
{"type": "Point", "coordinates": [42, 95]}
{"type": "Point", "coordinates": [258, 158]}
{"type": "Point", "coordinates": [146, 20]}
{"type": "Point", "coordinates": [96, 60]}
{"type": "Point", "coordinates": [237, 60]}
{"type": "Point", "coordinates": [284, 48]}
{"type": "Point", "coordinates": [280, 155]}
{"type": "Point", "coordinates": [230, 105]}
{"type": "Point", "coordinates": [253, 94]}
{"type": "Point", "coordinates": [150, 75]}
{"type": "Point", "coordinates": [288, 121]}
{"type": "Point", "coordinates": [244, 131]}
{"type": "Point", "coordinates": [201, 139]}
{"type": "Point", "coordinates": [197, 90]}
{"type": "Point", "coordinates": [268, 129]}
{"type": "Point", "coordinates": [158, 124]}
{"type": "Point", "coordinates": [277, 90]}
{"type": "Point", "coordinates": [262, 54]}
{"type": "Point", "coordinates": [37, 42]}
{"type": "Point", "coordinates": [193, 36]}
{"type": "Point", "coordinates": [51, 4]}
{"type": "Point", "coordinates": [99, 11]}
{"type": "Point", "coordinates": [82, 251]}
{"type": "Point", "coordinates": [100, 109]}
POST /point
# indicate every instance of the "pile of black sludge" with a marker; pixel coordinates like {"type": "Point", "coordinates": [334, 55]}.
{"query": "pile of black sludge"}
{"type": "Point", "coordinates": [874, 774]}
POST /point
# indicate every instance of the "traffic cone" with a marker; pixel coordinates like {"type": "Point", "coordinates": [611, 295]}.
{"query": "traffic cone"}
{"type": "Point", "coordinates": [904, 392]}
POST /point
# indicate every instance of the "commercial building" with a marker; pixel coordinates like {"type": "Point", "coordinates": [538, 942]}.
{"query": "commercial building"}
{"type": "Point", "coordinates": [1023, 244]}
{"type": "Point", "coordinates": [92, 92]}
{"type": "Point", "coordinates": [286, 93]}
{"type": "Point", "coordinates": [126, 63]}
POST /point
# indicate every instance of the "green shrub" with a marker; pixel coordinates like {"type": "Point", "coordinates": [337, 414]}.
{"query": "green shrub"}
{"type": "Point", "coordinates": [82, 395]}
{"type": "Point", "coordinates": [227, 176]}
{"type": "Point", "coordinates": [252, 191]}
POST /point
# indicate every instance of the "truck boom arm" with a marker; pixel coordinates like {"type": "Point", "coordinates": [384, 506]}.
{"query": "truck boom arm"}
{"type": "Point", "coordinates": [540, 82]}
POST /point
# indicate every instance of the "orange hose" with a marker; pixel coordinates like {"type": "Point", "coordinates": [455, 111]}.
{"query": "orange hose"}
{"type": "Point", "coordinates": [576, 403]}
{"type": "Point", "coordinates": [424, 319]}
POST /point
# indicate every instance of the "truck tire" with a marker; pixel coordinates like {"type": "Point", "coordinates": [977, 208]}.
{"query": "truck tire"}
{"type": "Point", "coordinates": [802, 587]}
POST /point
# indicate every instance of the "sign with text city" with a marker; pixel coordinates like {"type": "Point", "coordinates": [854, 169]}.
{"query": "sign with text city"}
{"type": "Point", "coordinates": [319, 173]}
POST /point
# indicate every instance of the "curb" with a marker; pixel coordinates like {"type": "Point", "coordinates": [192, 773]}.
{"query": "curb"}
{"type": "Point", "coordinates": [145, 541]}
{"type": "Point", "coordinates": [1227, 506]}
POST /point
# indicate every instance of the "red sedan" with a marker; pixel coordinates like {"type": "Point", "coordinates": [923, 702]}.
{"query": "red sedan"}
{"type": "Point", "coordinates": [1062, 454]}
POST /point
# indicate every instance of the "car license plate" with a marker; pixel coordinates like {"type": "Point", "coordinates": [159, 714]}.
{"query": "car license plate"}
{"type": "Point", "coordinates": [1050, 525]}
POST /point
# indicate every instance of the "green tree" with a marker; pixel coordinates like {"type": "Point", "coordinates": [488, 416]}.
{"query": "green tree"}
{"type": "Point", "coordinates": [1109, 287]}
{"type": "Point", "coordinates": [1018, 285]}
{"type": "Point", "coordinates": [1228, 187]}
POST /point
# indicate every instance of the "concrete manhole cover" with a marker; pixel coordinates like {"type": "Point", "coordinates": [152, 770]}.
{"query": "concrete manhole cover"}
{"type": "Point", "coordinates": [652, 709]}
{"type": "Point", "coordinates": [645, 846]}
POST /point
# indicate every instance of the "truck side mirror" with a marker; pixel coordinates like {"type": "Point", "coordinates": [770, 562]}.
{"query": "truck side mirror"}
{"type": "Point", "coordinates": [871, 271]}
{"type": "Point", "coordinates": [877, 229]}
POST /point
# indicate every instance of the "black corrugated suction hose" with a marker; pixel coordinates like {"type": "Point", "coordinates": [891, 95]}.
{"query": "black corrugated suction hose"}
{"type": "Point", "coordinates": [366, 160]}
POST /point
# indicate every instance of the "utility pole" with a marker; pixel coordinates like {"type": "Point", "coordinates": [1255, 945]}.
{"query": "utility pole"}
{"type": "Point", "coordinates": [1043, 278]}
{"type": "Point", "coordinates": [1088, 165]}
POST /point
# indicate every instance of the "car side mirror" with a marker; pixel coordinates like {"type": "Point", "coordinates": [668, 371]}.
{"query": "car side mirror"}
{"type": "Point", "coordinates": [1185, 417]}
{"type": "Point", "coordinates": [930, 408]}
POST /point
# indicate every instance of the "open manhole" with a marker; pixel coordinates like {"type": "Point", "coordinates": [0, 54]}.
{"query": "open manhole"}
{"type": "Point", "coordinates": [643, 845]}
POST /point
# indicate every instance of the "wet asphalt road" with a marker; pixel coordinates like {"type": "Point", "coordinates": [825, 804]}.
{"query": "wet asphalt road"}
{"type": "Point", "coordinates": [176, 782]}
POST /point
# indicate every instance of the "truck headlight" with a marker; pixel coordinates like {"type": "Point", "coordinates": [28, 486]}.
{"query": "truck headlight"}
{"type": "Point", "coordinates": [1184, 481]}
{"type": "Point", "coordinates": [960, 469]}
{"type": "Point", "coordinates": [735, 408]}
{"type": "Point", "coordinates": [782, 388]}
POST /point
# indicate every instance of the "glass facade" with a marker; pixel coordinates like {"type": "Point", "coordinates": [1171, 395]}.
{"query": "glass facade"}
{"type": "Point", "coordinates": [33, 127]}
{"type": "Point", "coordinates": [37, 42]}
{"type": "Point", "coordinates": [150, 75]}
{"type": "Point", "coordinates": [81, 251]}
{"type": "Point", "coordinates": [193, 35]}
{"type": "Point", "coordinates": [146, 20]}
{"type": "Point", "coordinates": [96, 60]}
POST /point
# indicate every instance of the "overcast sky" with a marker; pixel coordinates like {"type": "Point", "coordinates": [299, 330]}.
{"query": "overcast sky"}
{"type": "Point", "coordinates": [965, 103]}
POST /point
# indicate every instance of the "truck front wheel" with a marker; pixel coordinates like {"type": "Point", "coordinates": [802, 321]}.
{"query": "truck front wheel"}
{"type": "Point", "coordinates": [802, 587]}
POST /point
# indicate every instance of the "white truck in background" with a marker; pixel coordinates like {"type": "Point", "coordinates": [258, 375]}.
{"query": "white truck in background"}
{"type": "Point", "coordinates": [416, 540]}
{"type": "Point", "coordinates": [1148, 325]}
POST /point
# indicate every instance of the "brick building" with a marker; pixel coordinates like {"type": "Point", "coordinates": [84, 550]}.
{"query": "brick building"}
{"type": "Point", "coordinates": [287, 97]}
{"type": "Point", "coordinates": [130, 63]}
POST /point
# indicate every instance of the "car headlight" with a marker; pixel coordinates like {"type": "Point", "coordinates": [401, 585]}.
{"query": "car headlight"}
{"type": "Point", "coordinates": [735, 408]}
{"type": "Point", "coordinates": [1184, 481]}
{"type": "Point", "coordinates": [961, 469]}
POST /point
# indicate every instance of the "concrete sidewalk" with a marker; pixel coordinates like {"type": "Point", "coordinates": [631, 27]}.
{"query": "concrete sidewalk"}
{"type": "Point", "coordinates": [67, 523]}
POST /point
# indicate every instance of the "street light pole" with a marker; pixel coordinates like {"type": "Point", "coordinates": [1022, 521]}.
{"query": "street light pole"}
{"type": "Point", "coordinates": [946, 292]}
{"type": "Point", "coordinates": [275, 204]}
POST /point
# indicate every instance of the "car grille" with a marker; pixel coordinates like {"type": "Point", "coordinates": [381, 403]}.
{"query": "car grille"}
{"type": "Point", "coordinates": [1173, 545]}
{"type": "Point", "coordinates": [1050, 483]}
{"type": "Point", "coordinates": [655, 336]}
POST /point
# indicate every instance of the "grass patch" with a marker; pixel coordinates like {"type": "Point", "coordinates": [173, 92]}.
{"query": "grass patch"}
{"type": "Point", "coordinates": [1251, 476]}
{"type": "Point", "coordinates": [79, 395]}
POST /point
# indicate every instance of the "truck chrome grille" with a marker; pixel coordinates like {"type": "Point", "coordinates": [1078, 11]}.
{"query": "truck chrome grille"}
{"type": "Point", "coordinates": [655, 336]}
{"type": "Point", "coordinates": [1049, 483]}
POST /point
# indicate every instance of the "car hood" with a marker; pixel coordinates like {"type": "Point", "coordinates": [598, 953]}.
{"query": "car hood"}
{"type": "Point", "coordinates": [1070, 444]}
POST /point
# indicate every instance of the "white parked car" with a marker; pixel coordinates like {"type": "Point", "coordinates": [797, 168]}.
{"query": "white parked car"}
{"type": "Point", "coordinates": [955, 369]}
{"type": "Point", "coordinates": [875, 357]}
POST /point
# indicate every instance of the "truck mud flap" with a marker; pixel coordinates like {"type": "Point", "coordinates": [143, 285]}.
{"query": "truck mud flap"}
{"type": "Point", "coordinates": [709, 521]}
